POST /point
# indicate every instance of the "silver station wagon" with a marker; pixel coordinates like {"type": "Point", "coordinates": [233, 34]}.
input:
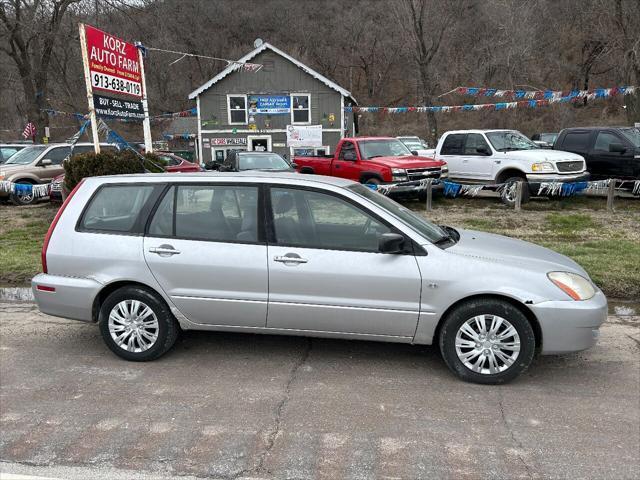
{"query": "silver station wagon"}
{"type": "Point", "coordinates": [145, 256]}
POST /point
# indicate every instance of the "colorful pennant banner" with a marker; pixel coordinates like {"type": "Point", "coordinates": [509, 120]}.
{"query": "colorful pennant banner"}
{"type": "Point", "coordinates": [38, 191]}
{"type": "Point", "coordinates": [575, 96]}
{"type": "Point", "coordinates": [541, 94]}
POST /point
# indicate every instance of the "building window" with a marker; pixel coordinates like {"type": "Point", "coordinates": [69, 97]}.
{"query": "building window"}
{"type": "Point", "coordinates": [300, 108]}
{"type": "Point", "coordinates": [237, 107]}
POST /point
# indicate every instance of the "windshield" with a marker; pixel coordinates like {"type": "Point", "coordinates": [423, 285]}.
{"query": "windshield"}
{"type": "Point", "coordinates": [548, 137]}
{"type": "Point", "coordinates": [429, 230]}
{"type": "Point", "coordinates": [262, 162]}
{"type": "Point", "coordinates": [412, 143]}
{"type": "Point", "coordinates": [510, 140]}
{"type": "Point", "coordinates": [633, 135]}
{"type": "Point", "coordinates": [26, 155]}
{"type": "Point", "coordinates": [383, 148]}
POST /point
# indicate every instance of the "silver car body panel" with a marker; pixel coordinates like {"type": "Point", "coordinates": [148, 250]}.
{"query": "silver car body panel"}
{"type": "Point", "coordinates": [335, 294]}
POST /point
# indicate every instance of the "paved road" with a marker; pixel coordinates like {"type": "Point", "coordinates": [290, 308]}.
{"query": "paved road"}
{"type": "Point", "coordinates": [232, 406]}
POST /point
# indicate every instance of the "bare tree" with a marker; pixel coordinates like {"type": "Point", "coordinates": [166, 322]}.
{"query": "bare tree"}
{"type": "Point", "coordinates": [31, 28]}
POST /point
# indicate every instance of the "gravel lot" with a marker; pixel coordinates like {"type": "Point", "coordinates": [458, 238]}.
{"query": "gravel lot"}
{"type": "Point", "coordinates": [234, 406]}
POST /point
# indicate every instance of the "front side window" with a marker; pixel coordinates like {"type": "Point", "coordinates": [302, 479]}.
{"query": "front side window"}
{"type": "Point", "coordinates": [219, 213]}
{"type": "Point", "coordinates": [453, 144]}
{"type": "Point", "coordinates": [237, 105]}
{"type": "Point", "coordinates": [604, 139]}
{"type": "Point", "coordinates": [57, 155]}
{"type": "Point", "coordinates": [474, 142]}
{"type": "Point", "coordinates": [303, 218]}
{"type": "Point", "coordinates": [508, 140]}
{"type": "Point", "coordinates": [348, 152]}
{"type": "Point", "coordinates": [115, 208]}
{"type": "Point", "coordinates": [301, 111]}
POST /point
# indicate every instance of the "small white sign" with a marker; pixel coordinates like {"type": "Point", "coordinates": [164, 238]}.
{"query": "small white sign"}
{"type": "Point", "coordinates": [304, 135]}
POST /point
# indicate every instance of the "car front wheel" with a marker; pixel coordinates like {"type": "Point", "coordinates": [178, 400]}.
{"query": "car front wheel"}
{"type": "Point", "coordinates": [137, 324]}
{"type": "Point", "coordinates": [487, 341]}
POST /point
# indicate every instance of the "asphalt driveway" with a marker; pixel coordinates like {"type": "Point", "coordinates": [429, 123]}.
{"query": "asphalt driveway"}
{"type": "Point", "coordinates": [237, 405]}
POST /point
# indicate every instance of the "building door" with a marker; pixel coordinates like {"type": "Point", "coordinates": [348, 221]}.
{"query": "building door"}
{"type": "Point", "coordinates": [219, 153]}
{"type": "Point", "coordinates": [259, 143]}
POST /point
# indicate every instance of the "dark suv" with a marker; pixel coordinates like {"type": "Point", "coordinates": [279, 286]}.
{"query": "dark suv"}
{"type": "Point", "coordinates": [610, 152]}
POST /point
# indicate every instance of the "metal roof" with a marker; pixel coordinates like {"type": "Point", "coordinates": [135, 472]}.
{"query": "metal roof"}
{"type": "Point", "coordinates": [249, 56]}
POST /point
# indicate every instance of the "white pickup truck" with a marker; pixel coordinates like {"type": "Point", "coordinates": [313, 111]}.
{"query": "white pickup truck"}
{"type": "Point", "coordinates": [505, 156]}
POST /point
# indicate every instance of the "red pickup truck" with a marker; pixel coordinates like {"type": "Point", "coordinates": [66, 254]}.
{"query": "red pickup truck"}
{"type": "Point", "coordinates": [373, 160]}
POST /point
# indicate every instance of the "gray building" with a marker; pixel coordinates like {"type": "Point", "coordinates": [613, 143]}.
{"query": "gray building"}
{"type": "Point", "coordinates": [285, 107]}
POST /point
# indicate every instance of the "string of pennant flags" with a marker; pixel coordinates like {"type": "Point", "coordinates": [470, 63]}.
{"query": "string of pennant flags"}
{"type": "Point", "coordinates": [540, 94]}
{"type": "Point", "coordinates": [529, 99]}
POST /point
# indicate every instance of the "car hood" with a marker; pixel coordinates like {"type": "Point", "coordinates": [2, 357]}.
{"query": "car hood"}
{"type": "Point", "coordinates": [501, 249]}
{"type": "Point", "coordinates": [542, 155]}
{"type": "Point", "coordinates": [410, 161]}
{"type": "Point", "coordinates": [10, 168]}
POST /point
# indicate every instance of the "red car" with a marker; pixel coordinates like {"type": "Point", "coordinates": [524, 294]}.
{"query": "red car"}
{"type": "Point", "coordinates": [174, 164]}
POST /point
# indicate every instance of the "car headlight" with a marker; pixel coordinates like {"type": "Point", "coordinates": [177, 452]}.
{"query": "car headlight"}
{"type": "Point", "coordinates": [542, 167]}
{"type": "Point", "coordinates": [574, 285]}
{"type": "Point", "coordinates": [444, 172]}
{"type": "Point", "coordinates": [399, 174]}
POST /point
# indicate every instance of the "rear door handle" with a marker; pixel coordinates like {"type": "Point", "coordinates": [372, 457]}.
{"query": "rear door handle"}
{"type": "Point", "coordinates": [287, 259]}
{"type": "Point", "coordinates": [164, 250]}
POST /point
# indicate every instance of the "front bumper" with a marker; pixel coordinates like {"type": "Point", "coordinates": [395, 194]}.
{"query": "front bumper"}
{"type": "Point", "coordinates": [570, 326]}
{"type": "Point", "coordinates": [71, 297]}
{"type": "Point", "coordinates": [412, 188]}
{"type": "Point", "coordinates": [535, 179]}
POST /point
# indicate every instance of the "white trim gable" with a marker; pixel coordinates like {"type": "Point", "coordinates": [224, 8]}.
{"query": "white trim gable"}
{"type": "Point", "coordinates": [249, 56]}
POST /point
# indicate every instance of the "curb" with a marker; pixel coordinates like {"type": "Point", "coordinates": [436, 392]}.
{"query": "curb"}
{"type": "Point", "coordinates": [16, 294]}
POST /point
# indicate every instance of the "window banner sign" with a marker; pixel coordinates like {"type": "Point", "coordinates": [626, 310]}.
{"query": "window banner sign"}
{"type": "Point", "coordinates": [117, 108]}
{"type": "Point", "coordinates": [269, 104]}
{"type": "Point", "coordinates": [304, 135]}
{"type": "Point", "coordinates": [113, 63]}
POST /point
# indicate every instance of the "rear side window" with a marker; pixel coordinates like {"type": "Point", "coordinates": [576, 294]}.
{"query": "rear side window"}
{"type": "Point", "coordinates": [115, 208]}
{"type": "Point", "coordinates": [575, 141]}
{"type": "Point", "coordinates": [453, 144]}
{"type": "Point", "coordinates": [604, 139]}
{"type": "Point", "coordinates": [219, 213]}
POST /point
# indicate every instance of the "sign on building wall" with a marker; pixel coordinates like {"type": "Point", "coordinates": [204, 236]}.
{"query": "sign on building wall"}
{"type": "Point", "coordinates": [113, 63]}
{"type": "Point", "coordinates": [269, 104]}
{"type": "Point", "coordinates": [229, 141]}
{"type": "Point", "coordinates": [304, 135]}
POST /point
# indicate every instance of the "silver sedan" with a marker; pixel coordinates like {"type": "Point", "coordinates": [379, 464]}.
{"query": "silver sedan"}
{"type": "Point", "coordinates": [146, 256]}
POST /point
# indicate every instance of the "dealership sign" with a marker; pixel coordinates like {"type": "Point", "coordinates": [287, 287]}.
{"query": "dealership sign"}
{"type": "Point", "coordinates": [117, 108]}
{"type": "Point", "coordinates": [229, 141]}
{"type": "Point", "coordinates": [114, 64]}
{"type": "Point", "coordinates": [269, 104]}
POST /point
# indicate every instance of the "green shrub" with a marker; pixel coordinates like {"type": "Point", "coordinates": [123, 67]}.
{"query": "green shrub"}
{"type": "Point", "coordinates": [108, 163]}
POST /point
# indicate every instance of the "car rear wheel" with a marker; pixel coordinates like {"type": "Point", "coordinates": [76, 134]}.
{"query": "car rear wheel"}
{"type": "Point", "coordinates": [487, 341]}
{"type": "Point", "coordinates": [137, 325]}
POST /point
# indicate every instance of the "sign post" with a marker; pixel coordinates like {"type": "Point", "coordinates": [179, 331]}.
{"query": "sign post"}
{"type": "Point", "coordinates": [146, 124]}
{"type": "Point", "coordinates": [87, 79]}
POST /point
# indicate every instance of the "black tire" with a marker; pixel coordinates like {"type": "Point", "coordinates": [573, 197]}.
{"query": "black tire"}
{"type": "Point", "coordinates": [167, 331]}
{"type": "Point", "coordinates": [22, 200]}
{"type": "Point", "coordinates": [487, 306]}
{"type": "Point", "coordinates": [372, 181]}
{"type": "Point", "coordinates": [509, 200]}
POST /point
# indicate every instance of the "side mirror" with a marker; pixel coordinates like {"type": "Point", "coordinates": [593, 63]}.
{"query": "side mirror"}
{"type": "Point", "coordinates": [294, 165]}
{"type": "Point", "coordinates": [390, 243]}
{"type": "Point", "coordinates": [483, 151]}
{"type": "Point", "coordinates": [617, 147]}
{"type": "Point", "coordinates": [45, 162]}
{"type": "Point", "coordinates": [414, 152]}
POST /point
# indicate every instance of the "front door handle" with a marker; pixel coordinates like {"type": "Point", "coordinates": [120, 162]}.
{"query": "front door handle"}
{"type": "Point", "coordinates": [164, 250]}
{"type": "Point", "coordinates": [290, 258]}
